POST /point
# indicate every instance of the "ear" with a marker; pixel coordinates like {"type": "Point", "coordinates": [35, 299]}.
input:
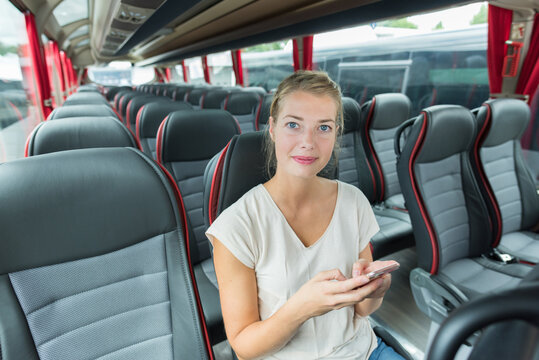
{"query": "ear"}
{"type": "Point", "coordinates": [271, 121]}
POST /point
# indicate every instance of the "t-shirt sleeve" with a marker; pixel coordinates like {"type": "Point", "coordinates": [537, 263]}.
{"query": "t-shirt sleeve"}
{"type": "Point", "coordinates": [234, 231]}
{"type": "Point", "coordinates": [368, 226]}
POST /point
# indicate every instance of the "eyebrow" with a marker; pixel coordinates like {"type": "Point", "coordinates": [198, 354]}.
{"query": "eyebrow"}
{"type": "Point", "coordinates": [301, 119]}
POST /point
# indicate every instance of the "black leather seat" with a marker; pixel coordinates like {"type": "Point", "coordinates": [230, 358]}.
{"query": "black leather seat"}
{"type": "Point", "coordinates": [450, 219]}
{"type": "Point", "coordinates": [149, 118]}
{"type": "Point", "coordinates": [196, 96]}
{"type": "Point", "coordinates": [81, 110]}
{"type": "Point", "coordinates": [264, 113]}
{"type": "Point", "coordinates": [186, 142]}
{"type": "Point", "coordinates": [506, 183]}
{"type": "Point", "coordinates": [134, 105]}
{"type": "Point", "coordinates": [180, 92]}
{"type": "Point", "coordinates": [105, 272]}
{"type": "Point", "coordinates": [85, 98]}
{"type": "Point", "coordinates": [354, 168]}
{"type": "Point", "coordinates": [78, 133]}
{"type": "Point", "coordinates": [245, 107]}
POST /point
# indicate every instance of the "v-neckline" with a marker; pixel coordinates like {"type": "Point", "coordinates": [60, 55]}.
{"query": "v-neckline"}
{"type": "Point", "coordinates": [289, 227]}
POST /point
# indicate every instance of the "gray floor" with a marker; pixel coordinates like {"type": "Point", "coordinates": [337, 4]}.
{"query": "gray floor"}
{"type": "Point", "coordinates": [398, 314]}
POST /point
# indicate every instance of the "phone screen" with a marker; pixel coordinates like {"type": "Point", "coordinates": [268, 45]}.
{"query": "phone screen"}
{"type": "Point", "coordinates": [384, 270]}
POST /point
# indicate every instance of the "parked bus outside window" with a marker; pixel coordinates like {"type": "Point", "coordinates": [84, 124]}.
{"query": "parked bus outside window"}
{"type": "Point", "coordinates": [265, 65]}
{"type": "Point", "coordinates": [18, 110]}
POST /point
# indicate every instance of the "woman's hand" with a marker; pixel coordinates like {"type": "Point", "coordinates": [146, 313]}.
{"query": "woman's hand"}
{"type": "Point", "coordinates": [331, 290]}
{"type": "Point", "coordinates": [362, 267]}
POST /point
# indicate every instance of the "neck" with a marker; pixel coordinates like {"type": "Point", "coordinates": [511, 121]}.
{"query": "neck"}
{"type": "Point", "coordinates": [293, 190]}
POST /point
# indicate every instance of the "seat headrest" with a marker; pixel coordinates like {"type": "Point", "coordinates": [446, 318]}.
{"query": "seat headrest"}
{"type": "Point", "coordinates": [351, 114]}
{"type": "Point", "coordinates": [242, 103]}
{"type": "Point", "coordinates": [98, 99]}
{"type": "Point", "coordinates": [244, 167]}
{"type": "Point", "coordinates": [214, 99]}
{"type": "Point", "coordinates": [151, 115]}
{"type": "Point", "coordinates": [450, 129]}
{"type": "Point", "coordinates": [80, 203]}
{"type": "Point", "coordinates": [194, 135]}
{"type": "Point", "coordinates": [388, 110]}
{"type": "Point", "coordinates": [196, 95]}
{"type": "Point", "coordinates": [81, 110]}
{"type": "Point", "coordinates": [78, 133]}
{"type": "Point", "coordinates": [508, 120]}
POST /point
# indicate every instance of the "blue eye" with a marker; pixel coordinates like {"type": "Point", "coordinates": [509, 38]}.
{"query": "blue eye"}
{"type": "Point", "coordinates": [325, 128]}
{"type": "Point", "coordinates": [292, 125]}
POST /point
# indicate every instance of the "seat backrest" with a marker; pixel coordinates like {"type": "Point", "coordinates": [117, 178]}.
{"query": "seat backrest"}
{"type": "Point", "coordinates": [380, 119]}
{"type": "Point", "coordinates": [85, 98]}
{"type": "Point", "coordinates": [81, 110]}
{"type": "Point", "coordinates": [149, 117]}
{"type": "Point", "coordinates": [98, 265]}
{"type": "Point", "coordinates": [196, 97]}
{"type": "Point", "coordinates": [505, 181]}
{"type": "Point", "coordinates": [264, 112]}
{"type": "Point", "coordinates": [186, 141]}
{"type": "Point", "coordinates": [353, 165]}
{"type": "Point", "coordinates": [245, 107]}
{"type": "Point", "coordinates": [118, 97]}
{"type": "Point", "coordinates": [180, 92]}
{"type": "Point", "coordinates": [124, 101]}
{"type": "Point", "coordinates": [449, 217]}
{"type": "Point", "coordinates": [215, 99]}
{"type": "Point", "coordinates": [113, 90]}
{"type": "Point", "coordinates": [134, 105]}
{"type": "Point", "coordinates": [78, 133]}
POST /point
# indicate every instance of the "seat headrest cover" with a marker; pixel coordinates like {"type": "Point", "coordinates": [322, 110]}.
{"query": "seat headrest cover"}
{"type": "Point", "coordinates": [82, 110]}
{"type": "Point", "coordinates": [196, 135]}
{"type": "Point", "coordinates": [390, 110]}
{"type": "Point", "coordinates": [509, 119]}
{"type": "Point", "coordinates": [79, 133]}
{"type": "Point", "coordinates": [76, 204]}
{"type": "Point", "coordinates": [265, 109]}
{"type": "Point", "coordinates": [214, 98]}
{"type": "Point", "coordinates": [152, 114]}
{"type": "Point", "coordinates": [451, 129]}
{"type": "Point", "coordinates": [351, 114]}
{"type": "Point", "coordinates": [243, 168]}
{"type": "Point", "coordinates": [242, 103]}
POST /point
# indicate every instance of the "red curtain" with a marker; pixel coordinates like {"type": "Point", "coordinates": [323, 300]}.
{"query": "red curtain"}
{"type": "Point", "coordinates": [58, 65]}
{"type": "Point", "coordinates": [499, 27]}
{"type": "Point", "coordinates": [529, 74]}
{"type": "Point", "coordinates": [307, 50]}
{"type": "Point", "coordinates": [237, 66]}
{"type": "Point", "coordinates": [168, 74]}
{"type": "Point", "coordinates": [39, 69]}
{"type": "Point", "coordinates": [184, 70]}
{"type": "Point", "coordinates": [65, 70]}
{"type": "Point", "coordinates": [206, 69]}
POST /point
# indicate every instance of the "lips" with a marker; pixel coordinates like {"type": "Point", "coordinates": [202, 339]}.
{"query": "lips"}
{"type": "Point", "coordinates": [304, 160]}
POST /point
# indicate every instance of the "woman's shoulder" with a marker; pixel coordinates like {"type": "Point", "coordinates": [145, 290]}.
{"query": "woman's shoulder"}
{"type": "Point", "coordinates": [246, 203]}
{"type": "Point", "coordinates": [352, 192]}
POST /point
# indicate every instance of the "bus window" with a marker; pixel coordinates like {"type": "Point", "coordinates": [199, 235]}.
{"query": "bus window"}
{"type": "Point", "coordinates": [176, 74]}
{"type": "Point", "coordinates": [436, 58]}
{"type": "Point", "coordinates": [265, 65]}
{"type": "Point", "coordinates": [120, 73]}
{"type": "Point", "coordinates": [221, 71]}
{"type": "Point", "coordinates": [195, 73]}
{"type": "Point", "coordinates": [18, 111]}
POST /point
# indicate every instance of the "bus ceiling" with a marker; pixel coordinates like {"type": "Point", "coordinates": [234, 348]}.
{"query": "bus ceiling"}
{"type": "Point", "coordinates": [158, 31]}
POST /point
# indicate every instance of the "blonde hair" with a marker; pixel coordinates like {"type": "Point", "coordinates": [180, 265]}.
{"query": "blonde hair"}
{"type": "Point", "coordinates": [312, 82]}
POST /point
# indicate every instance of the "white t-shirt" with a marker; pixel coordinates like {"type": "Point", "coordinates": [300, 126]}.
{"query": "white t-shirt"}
{"type": "Point", "coordinates": [256, 232]}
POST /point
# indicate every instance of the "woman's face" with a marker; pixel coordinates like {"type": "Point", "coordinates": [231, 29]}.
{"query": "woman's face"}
{"type": "Point", "coordinates": [304, 133]}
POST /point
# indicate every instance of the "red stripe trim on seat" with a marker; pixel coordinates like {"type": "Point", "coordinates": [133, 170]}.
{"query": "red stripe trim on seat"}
{"type": "Point", "coordinates": [159, 141]}
{"type": "Point", "coordinates": [478, 142]}
{"type": "Point", "coordinates": [216, 185]}
{"type": "Point", "coordinates": [371, 147]}
{"type": "Point", "coordinates": [417, 147]}
{"type": "Point", "coordinates": [137, 122]}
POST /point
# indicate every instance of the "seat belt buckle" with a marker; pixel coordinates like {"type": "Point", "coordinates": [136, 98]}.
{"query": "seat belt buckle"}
{"type": "Point", "coordinates": [502, 257]}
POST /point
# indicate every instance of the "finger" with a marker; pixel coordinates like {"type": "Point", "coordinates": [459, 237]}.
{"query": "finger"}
{"type": "Point", "coordinates": [334, 274]}
{"type": "Point", "coordinates": [348, 284]}
{"type": "Point", "coordinates": [358, 294]}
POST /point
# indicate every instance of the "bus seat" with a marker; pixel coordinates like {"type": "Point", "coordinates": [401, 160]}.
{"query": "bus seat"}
{"type": "Point", "coordinates": [134, 105]}
{"type": "Point", "coordinates": [395, 228]}
{"type": "Point", "coordinates": [449, 218]}
{"type": "Point", "coordinates": [256, 89]}
{"type": "Point", "coordinates": [124, 101]}
{"type": "Point", "coordinates": [264, 112]}
{"type": "Point", "coordinates": [380, 118]}
{"type": "Point", "coordinates": [88, 88]}
{"type": "Point", "coordinates": [111, 91]}
{"type": "Point", "coordinates": [85, 98]}
{"type": "Point", "coordinates": [81, 110]}
{"type": "Point", "coordinates": [244, 107]}
{"type": "Point", "coordinates": [180, 92]}
{"type": "Point", "coordinates": [149, 117]}
{"type": "Point", "coordinates": [78, 133]}
{"type": "Point", "coordinates": [97, 265]}
{"type": "Point", "coordinates": [186, 141]}
{"type": "Point", "coordinates": [505, 182]}
{"type": "Point", "coordinates": [196, 97]}
{"type": "Point", "coordinates": [215, 99]}
{"type": "Point", "coordinates": [118, 98]}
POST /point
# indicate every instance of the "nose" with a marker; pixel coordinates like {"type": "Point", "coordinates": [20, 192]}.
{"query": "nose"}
{"type": "Point", "coordinates": [307, 139]}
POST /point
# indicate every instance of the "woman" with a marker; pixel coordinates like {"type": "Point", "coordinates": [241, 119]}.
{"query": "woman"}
{"type": "Point", "coordinates": [291, 255]}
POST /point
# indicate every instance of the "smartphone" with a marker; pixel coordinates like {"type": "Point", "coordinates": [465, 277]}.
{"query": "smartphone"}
{"type": "Point", "coordinates": [382, 271]}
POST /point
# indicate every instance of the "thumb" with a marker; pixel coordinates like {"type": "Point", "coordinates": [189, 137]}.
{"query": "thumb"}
{"type": "Point", "coordinates": [334, 274]}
